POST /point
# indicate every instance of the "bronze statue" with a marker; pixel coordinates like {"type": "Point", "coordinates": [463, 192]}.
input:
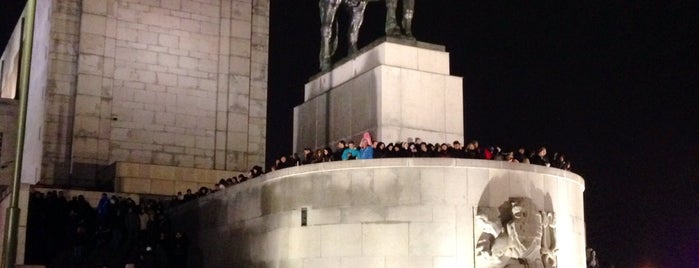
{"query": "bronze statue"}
{"type": "Point", "coordinates": [328, 41]}
{"type": "Point", "coordinates": [392, 28]}
{"type": "Point", "coordinates": [328, 26]}
{"type": "Point", "coordinates": [357, 8]}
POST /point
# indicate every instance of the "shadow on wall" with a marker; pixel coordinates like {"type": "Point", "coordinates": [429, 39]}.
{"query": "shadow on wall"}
{"type": "Point", "coordinates": [213, 227]}
{"type": "Point", "coordinates": [502, 188]}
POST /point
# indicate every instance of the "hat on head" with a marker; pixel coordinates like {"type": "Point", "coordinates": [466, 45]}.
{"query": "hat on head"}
{"type": "Point", "coordinates": [367, 137]}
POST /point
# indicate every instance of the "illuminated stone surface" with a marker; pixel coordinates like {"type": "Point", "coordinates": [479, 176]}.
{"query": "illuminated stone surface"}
{"type": "Point", "coordinates": [8, 114]}
{"type": "Point", "coordinates": [174, 82]}
{"type": "Point", "coordinates": [380, 213]}
{"type": "Point", "coordinates": [392, 89]}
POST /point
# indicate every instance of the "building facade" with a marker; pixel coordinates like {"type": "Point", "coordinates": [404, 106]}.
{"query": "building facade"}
{"type": "Point", "coordinates": [176, 83]}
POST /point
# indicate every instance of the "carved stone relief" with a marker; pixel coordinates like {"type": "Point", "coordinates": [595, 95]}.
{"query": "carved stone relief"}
{"type": "Point", "coordinates": [515, 234]}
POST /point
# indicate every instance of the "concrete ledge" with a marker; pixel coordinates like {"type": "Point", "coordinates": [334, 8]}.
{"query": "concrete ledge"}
{"type": "Point", "coordinates": [408, 162]}
{"type": "Point", "coordinates": [378, 212]}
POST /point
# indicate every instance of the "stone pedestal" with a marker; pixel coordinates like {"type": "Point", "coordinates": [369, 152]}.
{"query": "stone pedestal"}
{"type": "Point", "coordinates": [395, 89]}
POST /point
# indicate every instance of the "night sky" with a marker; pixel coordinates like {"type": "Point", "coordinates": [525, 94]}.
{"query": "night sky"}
{"type": "Point", "coordinates": [612, 84]}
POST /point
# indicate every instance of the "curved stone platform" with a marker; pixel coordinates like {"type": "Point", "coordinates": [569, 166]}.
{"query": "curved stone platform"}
{"type": "Point", "coordinates": [401, 212]}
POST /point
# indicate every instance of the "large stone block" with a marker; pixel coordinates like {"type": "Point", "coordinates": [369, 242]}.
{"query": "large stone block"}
{"type": "Point", "coordinates": [383, 91]}
{"type": "Point", "coordinates": [385, 239]}
{"type": "Point", "coordinates": [93, 24]}
{"type": "Point", "coordinates": [409, 214]}
{"type": "Point", "coordinates": [344, 240]}
{"type": "Point", "coordinates": [368, 262]}
{"type": "Point", "coordinates": [92, 44]}
{"type": "Point", "coordinates": [477, 186]}
{"type": "Point", "coordinates": [383, 52]}
{"type": "Point", "coordinates": [95, 7]}
{"type": "Point", "coordinates": [432, 239]}
{"type": "Point", "coordinates": [444, 214]}
{"type": "Point", "coordinates": [304, 242]}
{"type": "Point", "coordinates": [133, 185]}
{"type": "Point", "coordinates": [409, 262]}
{"type": "Point", "coordinates": [363, 214]}
{"type": "Point", "coordinates": [324, 216]}
{"type": "Point", "coordinates": [456, 187]}
{"type": "Point", "coordinates": [163, 187]}
{"type": "Point", "coordinates": [445, 262]}
{"type": "Point", "coordinates": [433, 61]}
{"type": "Point", "coordinates": [321, 263]}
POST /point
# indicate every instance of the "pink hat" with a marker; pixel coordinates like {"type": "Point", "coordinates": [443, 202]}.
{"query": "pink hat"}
{"type": "Point", "coordinates": [367, 137]}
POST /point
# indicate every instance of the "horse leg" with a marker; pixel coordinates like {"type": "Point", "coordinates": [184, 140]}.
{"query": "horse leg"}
{"type": "Point", "coordinates": [328, 8]}
{"type": "Point", "coordinates": [408, 11]}
{"type": "Point", "coordinates": [357, 20]}
{"type": "Point", "coordinates": [392, 28]}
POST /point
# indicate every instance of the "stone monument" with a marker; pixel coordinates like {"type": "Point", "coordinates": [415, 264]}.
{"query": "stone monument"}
{"type": "Point", "coordinates": [394, 88]}
{"type": "Point", "coordinates": [395, 212]}
{"type": "Point", "coordinates": [172, 95]}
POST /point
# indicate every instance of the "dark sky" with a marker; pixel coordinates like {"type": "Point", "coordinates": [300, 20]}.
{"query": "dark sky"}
{"type": "Point", "coordinates": [610, 83]}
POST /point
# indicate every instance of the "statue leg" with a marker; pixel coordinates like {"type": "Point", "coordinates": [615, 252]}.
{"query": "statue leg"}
{"type": "Point", "coordinates": [408, 11]}
{"type": "Point", "coordinates": [357, 20]}
{"type": "Point", "coordinates": [328, 8]}
{"type": "Point", "coordinates": [392, 28]}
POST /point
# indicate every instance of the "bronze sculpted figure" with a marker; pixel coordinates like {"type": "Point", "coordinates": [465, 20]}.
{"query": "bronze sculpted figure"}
{"type": "Point", "coordinates": [328, 26]}
{"type": "Point", "coordinates": [392, 28]}
{"type": "Point", "coordinates": [328, 41]}
{"type": "Point", "coordinates": [357, 8]}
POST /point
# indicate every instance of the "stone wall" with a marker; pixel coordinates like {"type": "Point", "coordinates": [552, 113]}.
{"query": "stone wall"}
{"type": "Point", "coordinates": [165, 180]}
{"type": "Point", "coordinates": [169, 82]}
{"type": "Point", "coordinates": [8, 128]}
{"type": "Point", "coordinates": [410, 212]}
{"type": "Point", "coordinates": [60, 92]}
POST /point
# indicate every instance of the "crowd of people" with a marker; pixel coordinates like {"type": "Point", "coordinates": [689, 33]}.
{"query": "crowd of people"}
{"type": "Point", "coordinates": [115, 233]}
{"type": "Point", "coordinates": [119, 231]}
{"type": "Point", "coordinates": [369, 149]}
{"type": "Point", "coordinates": [180, 198]}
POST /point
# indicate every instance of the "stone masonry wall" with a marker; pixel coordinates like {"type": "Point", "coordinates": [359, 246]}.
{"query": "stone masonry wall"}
{"type": "Point", "coordinates": [385, 213]}
{"type": "Point", "coordinates": [60, 90]}
{"type": "Point", "coordinates": [165, 82]}
{"type": "Point", "coordinates": [8, 138]}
